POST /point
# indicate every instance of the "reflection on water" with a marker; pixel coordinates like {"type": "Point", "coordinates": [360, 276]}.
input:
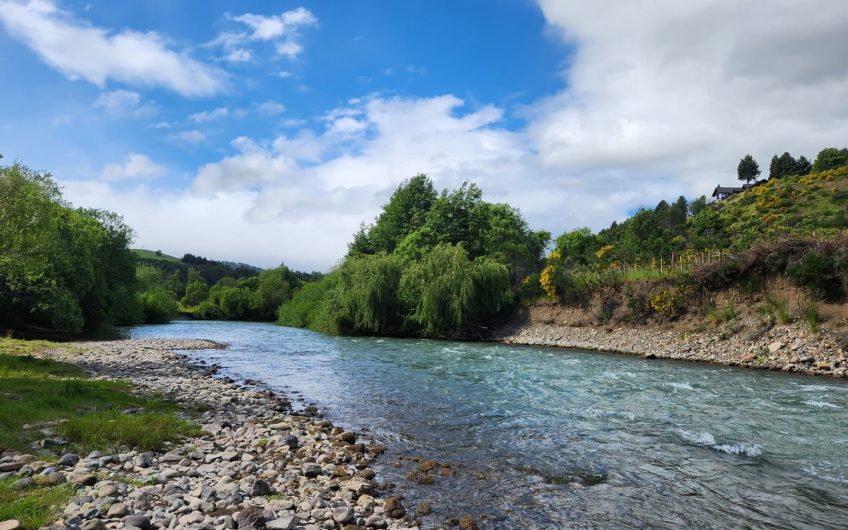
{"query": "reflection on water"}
{"type": "Point", "coordinates": [545, 438]}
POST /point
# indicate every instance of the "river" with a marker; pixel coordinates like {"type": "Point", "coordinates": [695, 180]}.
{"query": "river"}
{"type": "Point", "coordinates": [552, 438]}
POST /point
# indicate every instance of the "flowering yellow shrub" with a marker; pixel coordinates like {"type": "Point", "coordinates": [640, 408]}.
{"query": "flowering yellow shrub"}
{"type": "Point", "coordinates": [546, 279]}
{"type": "Point", "coordinates": [604, 250]}
{"type": "Point", "coordinates": [670, 302]}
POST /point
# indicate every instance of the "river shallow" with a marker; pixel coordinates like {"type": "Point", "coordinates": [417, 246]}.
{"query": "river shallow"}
{"type": "Point", "coordinates": [551, 438]}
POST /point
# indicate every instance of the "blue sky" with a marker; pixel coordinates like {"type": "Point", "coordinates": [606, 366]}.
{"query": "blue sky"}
{"type": "Point", "coordinates": [267, 131]}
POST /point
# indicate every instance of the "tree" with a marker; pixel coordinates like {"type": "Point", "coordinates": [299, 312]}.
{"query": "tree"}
{"type": "Point", "coordinates": [804, 166]}
{"type": "Point", "coordinates": [748, 169]}
{"type": "Point", "coordinates": [783, 166]}
{"type": "Point", "coordinates": [697, 205]}
{"type": "Point", "coordinates": [830, 158]}
{"type": "Point", "coordinates": [403, 214]}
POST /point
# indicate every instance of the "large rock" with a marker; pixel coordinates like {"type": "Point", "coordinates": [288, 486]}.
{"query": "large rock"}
{"type": "Point", "coordinates": [360, 486]}
{"type": "Point", "coordinates": [23, 484]}
{"type": "Point", "coordinates": [11, 524]}
{"type": "Point", "coordinates": [83, 480]}
{"type": "Point", "coordinates": [138, 521]}
{"type": "Point", "coordinates": [288, 522]}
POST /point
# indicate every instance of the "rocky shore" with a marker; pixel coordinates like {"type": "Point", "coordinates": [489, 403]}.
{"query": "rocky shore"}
{"type": "Point", "coordinates": [790, 348]}
{"type": "Point", "coordinates": [256, 465]}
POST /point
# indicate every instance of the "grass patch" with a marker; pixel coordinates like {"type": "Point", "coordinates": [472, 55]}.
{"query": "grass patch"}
{"type": "Point", "coordinates": [34, 390]}
{"type": "Point", "coordinates": [810, 312]}
{"type": "Point", "coordinates": [34, 507]}
{"type": "Point", "coordinates": [147, 431]}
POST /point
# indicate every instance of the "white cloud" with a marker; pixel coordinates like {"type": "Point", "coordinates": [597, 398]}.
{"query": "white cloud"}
{"type": "Point", "coordinates": [684, 89]}
{"type": "Point", "coordinates": [192, 136]}
{"type": "Point", "coordinates": [284, 30]}
{"type": "Point", "coordinates": [210, 115]}
{"type": "Point", "coordinates": [135, 166]}
{"type": "Point", "coordinates": [124, 103]}
{"type": "Point", "coordinates": [659, 99]}
{"type": "Point", "coordinates": [83, 51]}
{"type": "Point", "coordinates": [271, 108]}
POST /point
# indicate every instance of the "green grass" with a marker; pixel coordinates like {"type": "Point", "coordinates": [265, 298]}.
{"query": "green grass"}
{"type": "Point", "coordinates": [34, 507]}
{"type": "Point", "coordinates": [34, 390]}
{"type": "Point", "coordinates": [810, 311]}
{"type": "Point", "coordinates": [151, 254]}
{"type": "Point", "coordinates": [145, 431]}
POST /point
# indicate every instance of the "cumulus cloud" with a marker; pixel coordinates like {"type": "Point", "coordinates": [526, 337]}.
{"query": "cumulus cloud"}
{"type": "Point", "coordinates": [283, 30]}
{"type": "Point", "coordinates": [684, 89]}
{"type": "Point", "coordinates": [210, 115]}
{"type": "Point", "coordinates": [271, 108]}
{"type": "Point", "coordinates": [124, 103]}
{"type": "Point", "coordinates": [135, 166]}
{"type": "Point", "coordinates": [192, 136]}
{"type": "Point", "coordinates": [83, 51]}
{"type": "Point", "coordinates": [658, 99]}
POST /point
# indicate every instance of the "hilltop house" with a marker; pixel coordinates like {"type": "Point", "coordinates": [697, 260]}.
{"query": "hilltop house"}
{"type": "Point", "coordinates": [722, 192]}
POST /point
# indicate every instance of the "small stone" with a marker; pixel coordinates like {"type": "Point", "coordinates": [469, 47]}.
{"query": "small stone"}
{"type": "Point", "coordinates": [68, 460]}
{"type": "Point", "coordinates": [348, 437]}
{"type": "Point", "coordinates": [360, 486]}
{"type": "Point", "coordinates": [118, 509]}
{"type": "Point", "coordinates": [259, 488]}
{"type": "Point", "coordinates": [288, 522]}
{"type": "Point", "coordinates": [775, 346]}
{"type": "Point", "coordinates": [343, 514]}
{"type": "Point", "coordinates": [22, 484]}
{"type": "Point", "coordinates": [108, 490]}
{"type": "Point", "coordinates": [466, 522]}
{"type": "Point", "coordinates": [394, 508]}
{"type": "Point", "coordinates": [139, 521]}
{"type": "Point", "coordinates": [229, 456]}
{"type": "Point", "coordinates": [10, 524]}
{"type": "Point", "coordinates": [311, 470]}
{"type": "Point", "coordinates": [170, 457]}
{"type": "Point", "coordinates": [424, 508]}
{"type": "Point", "coordinates": [92, 524]}
{"type": "Point", "coordinates": [251, 516]}
{"type": "Point", "coordinates": [55, 478]}
{"type": "Point", "coordinates": [83, 480]}
{"type": "Point", "coordinates": [291, 441]}
{"type": "Point", "coordinates": [49, 443]}
{"type": "Point", "coordinates": [191, 518]}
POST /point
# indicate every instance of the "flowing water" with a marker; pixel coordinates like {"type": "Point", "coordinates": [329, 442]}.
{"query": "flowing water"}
{"type": "Point", "coordinates": [551, 438]}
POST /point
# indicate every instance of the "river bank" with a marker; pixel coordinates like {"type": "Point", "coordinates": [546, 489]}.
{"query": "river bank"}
{"type": "Point", "coordinates": [791, 347]}
{"type": "Point", "coordinates": [258, 464]}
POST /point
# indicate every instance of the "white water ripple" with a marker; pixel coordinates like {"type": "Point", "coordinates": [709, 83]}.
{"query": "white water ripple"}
{"type": "Point", "coordinates": [820, 404]}
{"type": "Point", "coordinates": [706, 439]}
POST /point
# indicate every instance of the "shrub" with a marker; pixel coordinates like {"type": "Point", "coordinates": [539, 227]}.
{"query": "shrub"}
{"type": "Point", "coordinates": [158, 306]}
{"type": "Point", "coordinates": [303, 309]}
{"type": "Point", "coordinates": [208, 310]}
{"type": "Point", "coordinates": [671, 302]}
{"type": "Point", "coordinates": [810, 311]}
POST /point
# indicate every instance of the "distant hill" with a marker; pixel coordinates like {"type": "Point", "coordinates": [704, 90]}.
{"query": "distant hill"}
{"type": "Point", "coordinates": [153, 255]}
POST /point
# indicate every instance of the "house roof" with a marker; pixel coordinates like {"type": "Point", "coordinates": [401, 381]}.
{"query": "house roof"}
{"type": "Point", "coordinates": [726, 189]}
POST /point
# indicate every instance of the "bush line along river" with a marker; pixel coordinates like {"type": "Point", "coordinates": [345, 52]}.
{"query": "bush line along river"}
{"type": "Point", "coordinates": [546, 438]}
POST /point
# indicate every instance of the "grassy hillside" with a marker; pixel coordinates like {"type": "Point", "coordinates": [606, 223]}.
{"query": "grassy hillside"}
{"type": "Point", "coordinates": [797, 205]}
{"type": "Point", "coordinates": [151, 255]}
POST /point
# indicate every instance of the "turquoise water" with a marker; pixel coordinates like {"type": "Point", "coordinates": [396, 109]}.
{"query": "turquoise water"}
{"type": "Point", "coordinates": [551, 438]}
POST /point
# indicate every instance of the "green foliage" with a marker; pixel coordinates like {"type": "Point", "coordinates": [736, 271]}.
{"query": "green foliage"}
{"type": "Point", "coordinates": [60, 268]}
{"type": "Point", "coordinates": [819, 272]}
{"type": "Point", "coordinates": [446, 290]}
{"type": "Point", "coordinates": [830, 158]}
{"type": "Point", "coordinates": [402, 215]}
{"type": "Point", "coordinates": [196, 291]}
{"type": "Point", "coordinates": [810, 312]}
{"type": "Point", "coordinates": [147, 431]}
{"type": "Point", "coordinates": [33, 507]}
{"type": "Point", "coordinates": [157, 299]}
{"type": "Point", "coordinates": [748, 169]}
{"type": "Point", "coordinates": [786, 165]}
{"type": "Point", "coordinates": [367, 294]}
{"type": "Point", "coordinates": [304, 310]}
